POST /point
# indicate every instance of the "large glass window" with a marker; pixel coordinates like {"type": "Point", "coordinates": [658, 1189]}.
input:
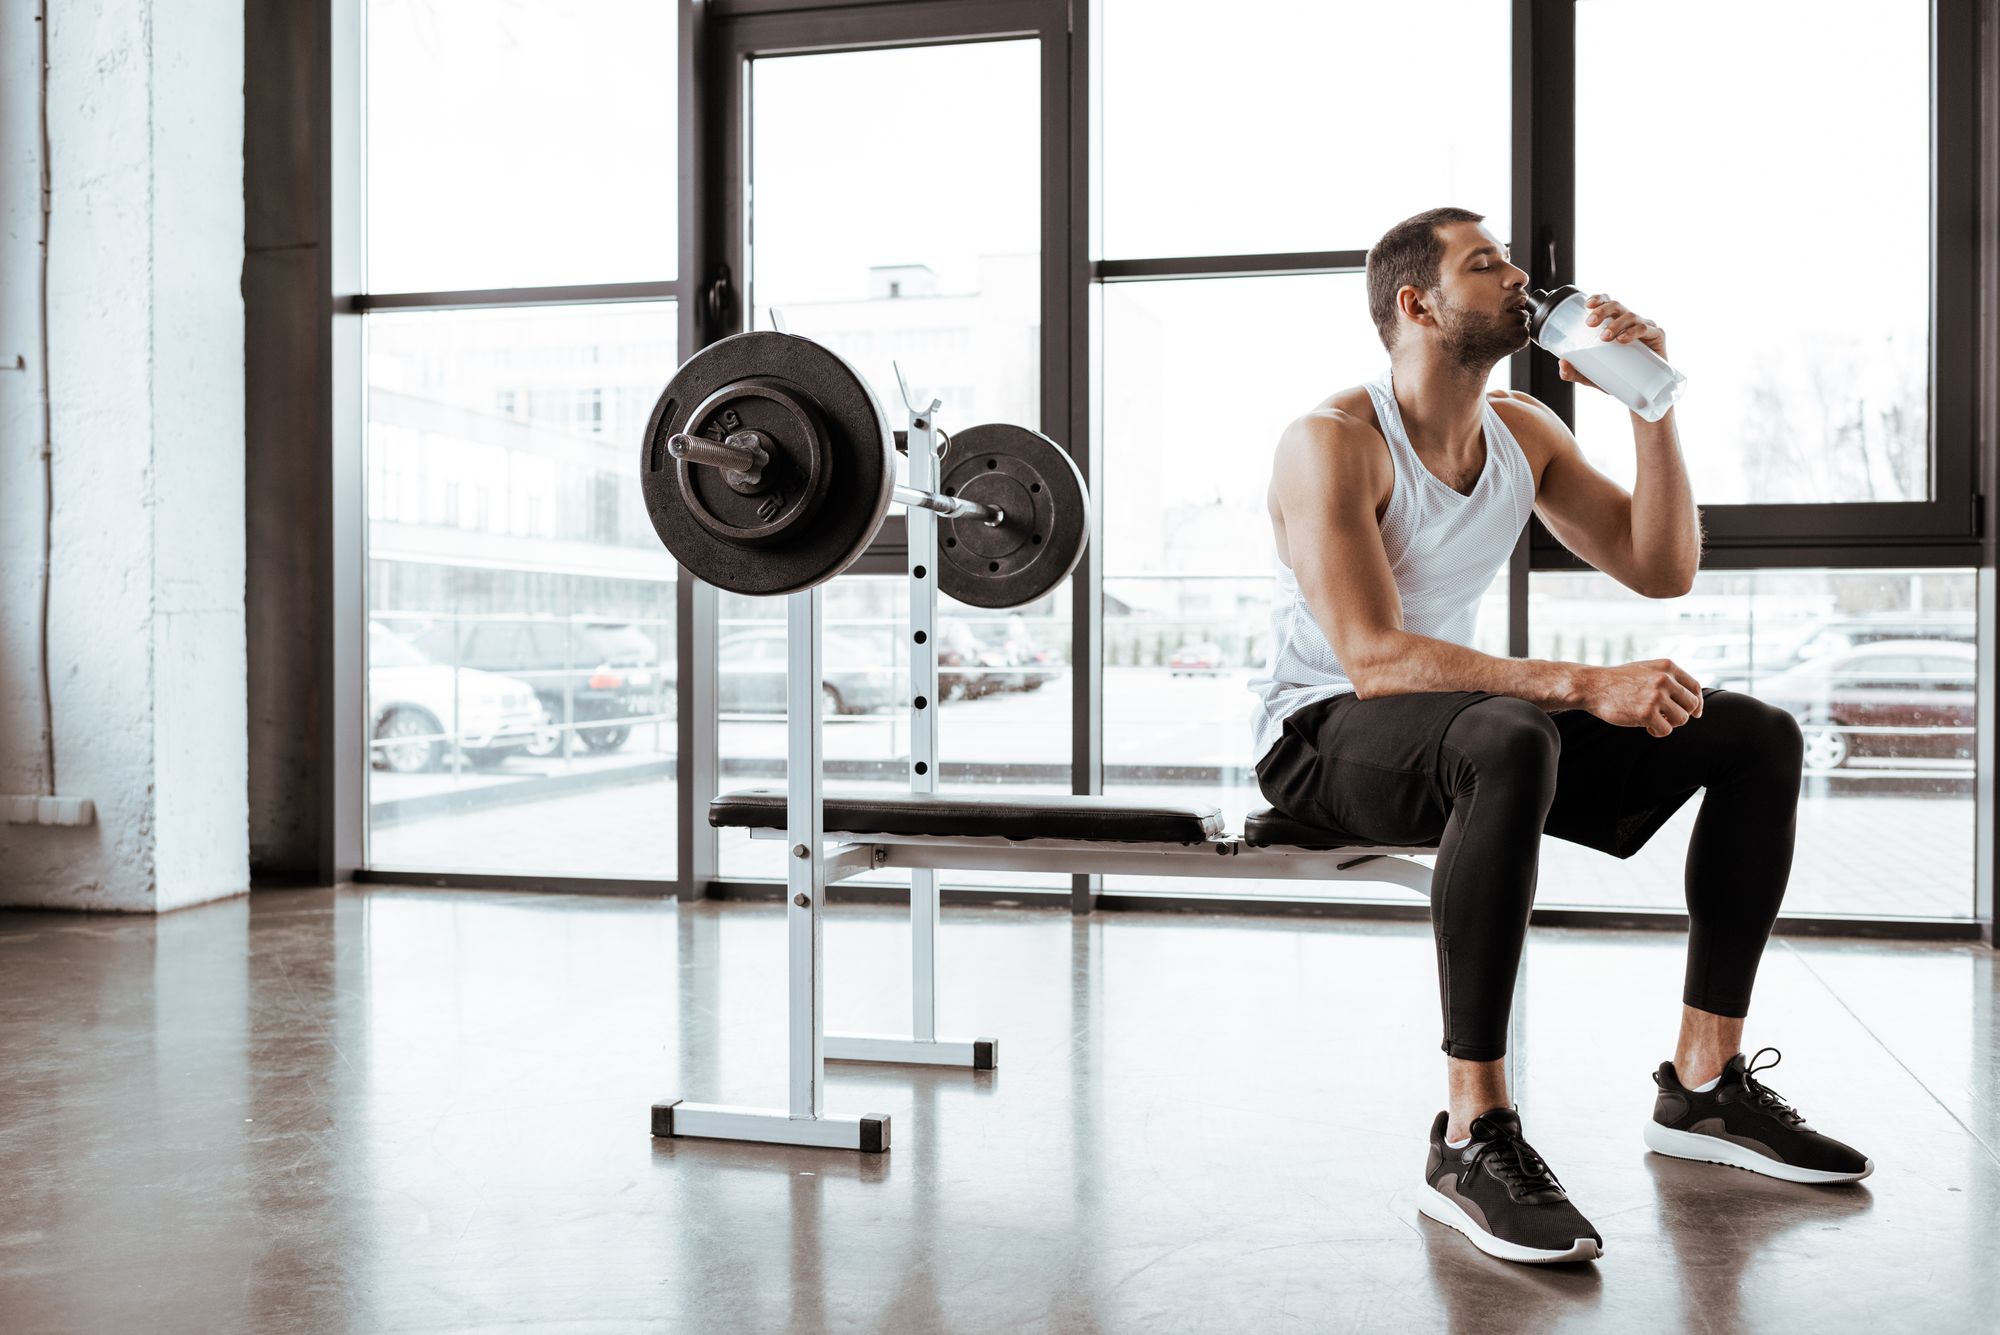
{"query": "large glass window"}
{"type": "Point", "coordinates": [1276, 125]}
{"type": "Point", "coordinates": [1803, 330]}
{"type": "Point", "coordinates": [517, 145]}
{"type": "Point", "coordinates": [1879, 668]}
{"type": "Point", "coordinates": [521, 609]}
{"type": "Point", "coordinates": [896, 218]}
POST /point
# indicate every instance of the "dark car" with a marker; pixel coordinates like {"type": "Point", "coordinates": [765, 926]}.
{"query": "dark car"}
{"type": "Point", "coordinates": [855, 674]}
{"type": "Point", "coordinates": [607, 672]}
{"type": "Point", "coordinates": [1900, 685]}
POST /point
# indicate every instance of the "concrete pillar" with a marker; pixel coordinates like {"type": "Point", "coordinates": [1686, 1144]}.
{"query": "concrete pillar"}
{"type": "Point", "coordinates": [145, 363]}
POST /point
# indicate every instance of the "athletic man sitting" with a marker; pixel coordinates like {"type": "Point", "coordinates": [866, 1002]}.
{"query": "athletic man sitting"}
{"type": "Point", "coordinates": [1394, 504]}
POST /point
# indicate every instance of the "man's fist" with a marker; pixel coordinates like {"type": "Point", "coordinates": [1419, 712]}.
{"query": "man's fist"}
{"type": "Point", "coordinates": [1657, 695]}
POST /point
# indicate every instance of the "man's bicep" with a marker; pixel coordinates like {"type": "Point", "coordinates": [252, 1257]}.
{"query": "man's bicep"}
{"type": "Point", "coordinates": [1339, 561]}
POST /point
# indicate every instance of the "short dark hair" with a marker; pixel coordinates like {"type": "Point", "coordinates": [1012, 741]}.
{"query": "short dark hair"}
{"type": "Point", "coordinates": [1411, 254]}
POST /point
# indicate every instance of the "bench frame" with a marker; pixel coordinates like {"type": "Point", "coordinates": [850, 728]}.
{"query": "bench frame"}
{"type": "Point", "coordinates": [813, 865]}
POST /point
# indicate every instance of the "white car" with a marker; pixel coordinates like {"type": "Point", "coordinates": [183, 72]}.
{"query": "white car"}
{"type": "Point", "coordinates": [413, 703]}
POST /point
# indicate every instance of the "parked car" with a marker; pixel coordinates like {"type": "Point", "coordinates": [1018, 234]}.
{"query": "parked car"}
{"type": "Point", "coordinates": [1899, 684]}
{"type": "Point", "coordinates": [1829, 637]}
{"type": "Point", "coordinates": [968, 667]}
{"type": "Point", "coordinates": [607, 669]}
{"type": "Point", "coordinates": [1200, 659]}
{"type": "Point", "coordinates": [1007, 657]}
{"type": "Point", "coordinates": [413, 701]}
{"type": "Point", "coordinates": [855, 677]}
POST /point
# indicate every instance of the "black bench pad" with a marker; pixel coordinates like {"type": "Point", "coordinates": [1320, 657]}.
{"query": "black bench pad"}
{"type": "Point", "coordinates": [1265, 828]}
{"type": "Point", "coordinates": [950, 815]}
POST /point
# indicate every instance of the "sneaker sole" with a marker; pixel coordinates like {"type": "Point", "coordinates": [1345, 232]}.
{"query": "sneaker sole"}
{"type": "Point", "coordinates": [1442, 1208]}
{"type": "Point", "coordinates": [1712, 1149]}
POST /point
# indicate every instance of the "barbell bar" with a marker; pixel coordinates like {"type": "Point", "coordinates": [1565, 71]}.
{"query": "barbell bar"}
{"type": "Point", "coordinates": [768, 467]}
{"type": "Point", "coordinates": [743, 458]}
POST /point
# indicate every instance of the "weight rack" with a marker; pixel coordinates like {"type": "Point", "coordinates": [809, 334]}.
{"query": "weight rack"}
{"type": "Point", "coordinates": [806, 1122]}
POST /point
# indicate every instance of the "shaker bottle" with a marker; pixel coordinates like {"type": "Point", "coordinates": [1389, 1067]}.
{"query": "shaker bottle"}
{"type": "Point", "coordinates": [1632, 373]}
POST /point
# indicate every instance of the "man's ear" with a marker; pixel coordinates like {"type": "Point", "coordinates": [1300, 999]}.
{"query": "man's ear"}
{"type": "Point", "coordinates": [1415, 304]}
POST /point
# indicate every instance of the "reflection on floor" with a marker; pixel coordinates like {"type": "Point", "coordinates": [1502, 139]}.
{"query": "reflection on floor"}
{"type": "Point", "coordinates": [392, 1109]}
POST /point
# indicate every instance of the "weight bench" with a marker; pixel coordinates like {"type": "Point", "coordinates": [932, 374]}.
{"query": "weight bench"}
{"type": "Point", "coordinates": [1069, 835]}
{"type": "Point", "coordinates": [1072, 835]}
{"type": "Point", "coordinates": [767, 468]}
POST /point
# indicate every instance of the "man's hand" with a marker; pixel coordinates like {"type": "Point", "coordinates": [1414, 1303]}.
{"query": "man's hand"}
{"type": "Point", "coordinates": [1656, 695]}
{"type": "Point", "coordinates": [1620, 326]}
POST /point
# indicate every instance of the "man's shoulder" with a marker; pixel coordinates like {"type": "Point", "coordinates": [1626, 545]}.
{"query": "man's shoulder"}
{"type": "Point", "coordinates": [1336, 446]}
{"type": "Point", "coordinates": [1515, 405]}
{"type": "Point", "coordinates": [1343, 414]}
{"type": "Point", "coordinates": [1535, 425]}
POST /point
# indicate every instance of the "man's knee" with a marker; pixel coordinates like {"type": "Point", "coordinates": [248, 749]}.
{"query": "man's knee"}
{"type": "Point", "coordinates": [1508, 734]}
{"type": "Point", "coordinates": [1763, 734]}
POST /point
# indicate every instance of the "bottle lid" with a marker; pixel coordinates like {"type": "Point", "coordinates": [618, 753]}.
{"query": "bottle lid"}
{"type": "Point", "coordinates": [1542, 304]}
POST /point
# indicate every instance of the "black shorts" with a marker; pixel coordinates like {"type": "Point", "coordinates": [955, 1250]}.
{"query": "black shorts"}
{"type": "Point", "coordinates": [1369, 769]}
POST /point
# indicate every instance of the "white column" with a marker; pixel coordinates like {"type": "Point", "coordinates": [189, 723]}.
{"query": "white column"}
{"type": "Point", "coordinates": [145, 366]}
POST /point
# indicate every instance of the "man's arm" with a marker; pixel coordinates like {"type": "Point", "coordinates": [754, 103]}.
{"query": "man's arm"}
{"type": "Point", "coordinates": [1648, 540]}
{"type": "Point", "coordinates": [1324, 482]}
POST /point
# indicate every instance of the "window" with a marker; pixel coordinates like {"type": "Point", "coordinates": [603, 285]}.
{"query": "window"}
{"type": "Point", "coordinates": [1830, 400]}
{"type": "Point", "coordinates": [1264, 126]}
{"type": "Point", "coordinates": [524, 695]}
{"type": "Point", "coordinates": [952, 293]}
{"type": "Point", "coordinates": [1888, 747]}
{"type": "Point", "coordinates": [483, 120]}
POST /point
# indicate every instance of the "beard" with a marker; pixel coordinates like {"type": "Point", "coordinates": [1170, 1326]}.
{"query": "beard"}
{"type": "Point", "coordinates": [1476, 340]}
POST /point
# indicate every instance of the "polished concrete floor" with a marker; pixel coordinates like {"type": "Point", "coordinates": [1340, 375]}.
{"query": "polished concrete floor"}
{"type": "Point", "coordinates": [398, 1110]}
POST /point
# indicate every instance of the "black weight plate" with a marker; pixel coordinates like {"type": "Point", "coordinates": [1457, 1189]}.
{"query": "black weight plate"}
{"type": "Point", "coordinates": [794, 481]}
{"type": "Point", "coordinates": [860, 473]}
{"type": "Point", "coordinates": [1048, 516]}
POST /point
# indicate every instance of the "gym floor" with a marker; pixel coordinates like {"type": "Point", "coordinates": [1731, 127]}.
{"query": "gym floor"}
{"type": "Point", "coordinates": [384, 1109]}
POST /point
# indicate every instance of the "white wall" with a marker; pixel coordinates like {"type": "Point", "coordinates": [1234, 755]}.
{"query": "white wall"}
{"type": "Point", "coordinates": [146, 648]}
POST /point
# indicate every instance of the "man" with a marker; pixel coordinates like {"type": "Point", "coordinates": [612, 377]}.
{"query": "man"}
{"type": "Point", "coordinates": [1394, 504]}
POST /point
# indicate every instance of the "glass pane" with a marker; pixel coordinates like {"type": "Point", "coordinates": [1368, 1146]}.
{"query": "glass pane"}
{"type": "Point", "coordinates": [1804, 333]}
{"type": "Point", "coordinates": [1886, 750]}
{"type": "Point", "coordinates": [521, 144]}
{"type": "Point", "coordinates": [940, 273]}
{"type": "Point", "coordinates": [1192, 413]}
{"type": "Point", "coordinates": [1265, 125]}
{"type": "Point", "coordinates": [1005, 720]}
{"type": "Point", "coordinates": [521, 610]}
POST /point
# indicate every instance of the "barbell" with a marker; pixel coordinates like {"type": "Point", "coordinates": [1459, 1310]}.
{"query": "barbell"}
{"type": "Point", "coordinates": [768, 467]}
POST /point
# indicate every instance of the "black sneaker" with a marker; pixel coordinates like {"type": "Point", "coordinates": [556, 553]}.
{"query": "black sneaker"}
{"type": "Point", "coordinates": [1744, 1124]}
{"type": "Point", "coordinates": [1502, 1196]}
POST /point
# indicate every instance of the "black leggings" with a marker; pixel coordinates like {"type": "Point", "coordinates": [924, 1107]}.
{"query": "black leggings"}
{"type": "Point", "coordinates": [1483, 777]}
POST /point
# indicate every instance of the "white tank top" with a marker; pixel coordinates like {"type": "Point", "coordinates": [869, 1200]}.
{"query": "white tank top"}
{"type": "Point", "coordinates": [1444, 549]}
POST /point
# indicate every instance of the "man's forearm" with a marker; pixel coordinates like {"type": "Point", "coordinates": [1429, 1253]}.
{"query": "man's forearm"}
{"type": "Point", "coordinates": [1406, 663]}
{"type": "Point", "coordinates": [1666, 535]}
